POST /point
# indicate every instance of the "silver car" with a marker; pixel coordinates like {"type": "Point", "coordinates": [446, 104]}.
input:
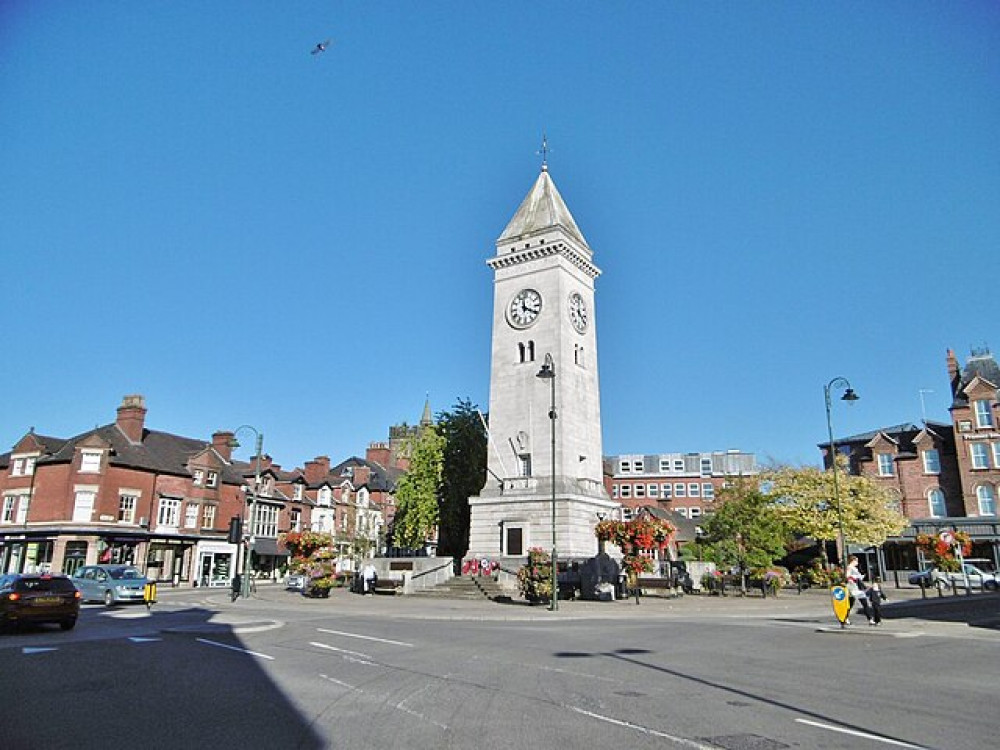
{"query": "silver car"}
{"type": "Point", "coordinates": [111, 584]}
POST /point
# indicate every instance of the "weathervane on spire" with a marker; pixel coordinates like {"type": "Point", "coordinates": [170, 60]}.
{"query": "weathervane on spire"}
{"type": "Point", "coordinates": [544, 153]}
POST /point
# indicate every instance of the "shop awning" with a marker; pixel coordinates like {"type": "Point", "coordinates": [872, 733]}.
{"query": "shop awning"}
{"type": "Point", "coordinates": [268, 547]}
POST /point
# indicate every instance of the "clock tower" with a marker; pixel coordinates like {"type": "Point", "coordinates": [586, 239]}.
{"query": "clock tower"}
{"type": "Point", "coordinates": [543, 326]}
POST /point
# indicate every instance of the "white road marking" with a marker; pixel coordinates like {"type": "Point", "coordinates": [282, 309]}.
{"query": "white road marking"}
{"type": "Point", "coordinates": [366, 657]}
{"type": "Point", "coordinates": [38, 649]}
{"type": "Point", "coordinates": [234, 648]}
{"type": "Point", "coordinates": [137, 639]}
{"type": "Point", "coordinates": [856, 733]}
{"type": "Point", "coordinates": [645, 730]}
{"type": "Point", "coordinates": [342, 684]}
{"type": "Point", "coordinates": [406, 710]}
{"type": "Point", "coordinates": [365, 637]}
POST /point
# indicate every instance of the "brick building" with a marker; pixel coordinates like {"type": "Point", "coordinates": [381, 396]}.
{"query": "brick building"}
{"type": "Point", "coordinates": [974, 416]}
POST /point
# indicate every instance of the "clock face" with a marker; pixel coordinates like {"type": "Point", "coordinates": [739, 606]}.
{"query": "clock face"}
{"type": "Point", "coordinates": [524, 308]}
{"type": "Point", "coordinates": [578, 312]}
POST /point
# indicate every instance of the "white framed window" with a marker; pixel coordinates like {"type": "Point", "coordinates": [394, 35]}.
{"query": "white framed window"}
{"type": "Point", "coordinates": [22, 466]}
{"type": "Point", "coordinates": [678, 464]}
{"type": "Point", "coordinates": [638, 466]}
{"type": "Point", "coordinates": [168, 511]}
{"type": "Point", "coordinates": [996, 455]}
{"type": "Point", "coordinates": [666, 490]}
{"type": "Point", "coordinates": [626, 513]}
{"type": "Point", "coordinates": [212, 479]}
{"type": "Point", "coordinates": [694, 489]}
{"type": "Point", "coordinates": [885, 464]}
{"type": "Point", "coordinates": [708, 490]}
{"type": "Point", "coordinates": [624, 466]}
{"type": "Point", "coordinates": [208, 516]}
{"type": "Point", "coordinates": [640, 490]}
{"type": "Point", "coordinates": [987, 500]}
{"type": "Point", "coordinates": [980, 456]}
{"type": "Point", "coordinates": [932, 462]}
{"type": "Point", "coordinates": [706, 466]}
{"type": "Point", "coordinates": [127, 502]}
{"type": "Point", "coordinates": [297, 493]}
{"type": "Point", "coordinates": [936, 504]}
{"type": "Point", "coordinates": [9, 506]}
{"type": "Point", "coordinates": [267, 521]}
{"type": "Point", "coordinates": [680, 489]}
{"type": "Point", "coordinates": [984, 412]}
{"type": "Point", "coordinates": [524, 465]}
{"type": "Point", "coordinates": [295, 518]}
{"type": "Point", "coordinates": [653, 490]}
{"type": "Point", "coordinates": [90, 462]}
{"type": "Point", "coordinates": [664, 465]}
{"type": "Point", "coordinates": [614, 491]}
{"type": "Point", "coordinates": [22, 508]}
{"type": "Point", "coordinates": [695, 512]}
{"type": "Point", "coordinates": [197, 477]}
{"type": "Point", "coordinates": [626, 490]}
{"type": "Point", "coordinates": [325, 494]}
{"type": "Point", "coordinates": [682, 511]}
{"type": "Point", "coordinates": [191, 516]}
{"type": "Point", "coordinates": [83, 505]}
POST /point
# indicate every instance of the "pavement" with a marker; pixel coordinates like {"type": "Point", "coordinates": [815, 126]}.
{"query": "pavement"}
{"type": "Point", "coordinates": [906, 613]}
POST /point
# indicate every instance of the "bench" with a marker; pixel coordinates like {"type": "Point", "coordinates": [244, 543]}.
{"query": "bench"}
{"type": "Point", "coordinates": [387, 585]}
{"type": "Point", "coordinates": [661, 584]}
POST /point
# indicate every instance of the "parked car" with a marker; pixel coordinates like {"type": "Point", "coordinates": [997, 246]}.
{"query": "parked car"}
{"type": "Point", "coordinates": [296, 582]}
{"type": "Point", "coordinates": [38, 597]}
{"type": "Point", "coordinates": [929, 576]}
{"type": "Point", "coordinates": [111, 584]}
{"type": "Point", "coordinates": [978, 578]}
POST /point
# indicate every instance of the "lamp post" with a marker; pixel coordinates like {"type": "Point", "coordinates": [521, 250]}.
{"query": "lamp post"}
{"type": "Point", "coordinates": [248, 538]}
{"type": "Point", "coordinates": [849, 396]}
{"type": "Point", "coordinates": [548, 372]}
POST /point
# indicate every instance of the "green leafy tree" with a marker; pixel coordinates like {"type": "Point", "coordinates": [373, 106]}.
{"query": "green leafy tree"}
{"type": "Point", "coordinates": [746, 530]}
{"type": "Point", "coordinates": [418, 489]}
{"type": "Point", "coordinates": [463, 474]}
{"type": "Point", "coordinates": [805, 498]}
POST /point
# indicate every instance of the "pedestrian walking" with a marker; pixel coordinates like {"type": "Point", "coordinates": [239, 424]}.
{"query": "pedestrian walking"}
{"type": "Point", "coordinates": [875, 596]}
{"type": "Point", "coordinates": [855, 588]}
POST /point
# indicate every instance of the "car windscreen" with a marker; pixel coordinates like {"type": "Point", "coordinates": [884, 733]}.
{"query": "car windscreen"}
{"type": "Point", "coordinates": [129, 574]}
{"type": "Point", "coordinates": [58, 585]}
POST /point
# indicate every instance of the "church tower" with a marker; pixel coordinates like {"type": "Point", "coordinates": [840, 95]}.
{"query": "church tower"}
{"type": "Point", "coordinates": [543, 324]}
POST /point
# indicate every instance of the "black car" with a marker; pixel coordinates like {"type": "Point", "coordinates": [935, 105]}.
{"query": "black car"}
{"type": "Point", "coordinates": [38, 597]}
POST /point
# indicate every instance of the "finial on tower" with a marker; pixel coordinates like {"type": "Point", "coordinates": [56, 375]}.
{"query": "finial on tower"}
{"type": "Point", "coordinates": [544, 153]}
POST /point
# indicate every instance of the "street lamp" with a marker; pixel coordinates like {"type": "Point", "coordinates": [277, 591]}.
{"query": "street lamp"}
{"type": "Point", "coordinates": [247, 527]}
{"type": "Point", "coordinates": [849, 396]}
{"type": "Point", "coordinates": [548, 372]}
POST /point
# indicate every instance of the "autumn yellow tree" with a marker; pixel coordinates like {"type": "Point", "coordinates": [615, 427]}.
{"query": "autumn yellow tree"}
{"type": "Point", "coordinates": [805, 499]}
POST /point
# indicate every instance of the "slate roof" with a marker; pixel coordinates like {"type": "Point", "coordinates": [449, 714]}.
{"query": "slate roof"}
{"type": "Point", "coordinates": [905, 430]}
{"type": "Point", "coordinates": [49, 445]}
{"type": "Point", "coordinates": [383, 478]}
{"type": "Point", "coordinates": [982, 364]}
{"type": "Point", "coordinates": [543, 208]}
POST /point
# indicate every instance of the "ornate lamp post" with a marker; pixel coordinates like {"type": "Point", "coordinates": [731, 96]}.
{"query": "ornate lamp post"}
{"type": "Point", "coordinates": [548, 372]}
{"type": "Point", "coordinates": [849, 396]}
{"type": "Point", "coordinates": [249, 509]}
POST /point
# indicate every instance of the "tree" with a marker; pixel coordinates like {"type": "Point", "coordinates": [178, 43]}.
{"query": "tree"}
{"type": "Point", "coordinates": [463, 475]}
{"type": "Point", "coordinates": [417, 491]}
{"type": "Point", "coordinates": [806, 501]}
{"type": "Point", "coordinates": [746, 529]}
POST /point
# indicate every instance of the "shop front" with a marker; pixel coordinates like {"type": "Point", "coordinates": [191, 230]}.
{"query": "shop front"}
{"type": "Point", "coordinates": [170, 560]}
{"type": "Point", "coordinates": [24, 553]}
{"type": "Point", "coordinates": [216, 564]}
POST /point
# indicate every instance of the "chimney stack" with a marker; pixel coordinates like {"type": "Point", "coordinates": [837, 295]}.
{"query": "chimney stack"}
{"type": "Point", "coordinates": [222, 441]}
{"type": "Point", "coordinates": [317, 469]}
{"type": "Point", "coordinates": [132, 417]}
{"type": "Point", "coordinates": [953, 372]}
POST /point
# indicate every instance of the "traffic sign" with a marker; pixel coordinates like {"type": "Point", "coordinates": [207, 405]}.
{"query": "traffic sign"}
{"type": "Point", "coordinates": [947, 537]}
{"type": "Point", "coordinates": [841, 603]}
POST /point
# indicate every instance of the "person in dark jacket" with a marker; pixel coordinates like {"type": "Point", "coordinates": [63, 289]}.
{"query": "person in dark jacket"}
{"type": "Point", "coordinates": [875, 597]}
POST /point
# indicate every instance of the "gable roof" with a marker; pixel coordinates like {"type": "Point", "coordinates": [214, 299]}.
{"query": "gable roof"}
{"type": "Point", "coordinates": [383, 478]}
{"type": "Point", "coordinates": [981, 364]}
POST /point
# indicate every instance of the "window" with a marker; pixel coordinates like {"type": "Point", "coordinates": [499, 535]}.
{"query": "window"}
{"type": "Point", "coordinates": [23, 466]}
{"type": "Point", "coordinates": [213, 479]}
{"type": "Point", "coordinates": [83, 505]}
{"type": "Point", "coordinates": [885, 464]}
{"type": "Point", "coordinates": [295, 517]}
{"type": "Point", "coordinates": [626, 490]}
{"type": "Point", "coordinates": [708, 490]}
{"type": "Point", "coordinates": [624, 466]}
{"type": "Point", "coordinates": [935, 502]}
{"type": "Point", "coordinates": [667, 490]}
{"type": "Point", "coordinates": [126, 508]}
{"type": "Point", "coordinates": [980, 456]}
{"type": "Point", "coordinates": [524, 465]}
{"type": "Point", "coordinates": [637, 466]}
{"type": "Point", "coordinates": [614, 491]}
{"type": "Point", "coordinates": [168, 511]}
{"type": "Point", "coordinates": [9, 503]}
{"type": "Point", "coordinates": [664, 465]}
{"type": "Point", "coordinates": [324, 497]}
{"type": "Point", "coordinates": [90, 461]}
{"type": "Point", "coordinates": [197, 477]}
{"type": "Point", "coordinates": [22, 508]}
{"type": "Point", "coordinates": [626, 514]}
{"type": "Point", "coordinates": [678, 464]}
{"type": "Point", "coordinates": [297, 493]}
{"type": "Point", "coordinates": [267, 521]}
{"type": "Point", "coordinates": [996, 455]}
{"type": "Point", "coordinates": [640, 490]}
{"type": "Point", "coordinates": [680, 490]}
{"type": "Point", "coordinates": [694, 489]}
{"type": "Point", "coordinates": [706, 467]}
{"type": "Point", "coordinates": [682, 511]}
{"type": "Point", "coordinates": [695, 512]}
{"type": "Point", "coordinates": [191, 516]}
{"type": "Point", "coordinates": [208, 516]}
{"type": "Point", "coordinates": [987, 500]}
{"type": "Point", "coordinates": [653, 490]}
{"type": "Point", "coordinates": [932, 462]}
{"type": "Point", "coordinates": [984, 413]}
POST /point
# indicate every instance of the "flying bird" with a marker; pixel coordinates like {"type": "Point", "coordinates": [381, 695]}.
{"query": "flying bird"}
{"type": "Point", "coordinates": [321, 47]}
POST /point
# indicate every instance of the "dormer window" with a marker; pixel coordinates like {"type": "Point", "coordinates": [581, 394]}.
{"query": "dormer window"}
{"type": "Point", "coordinates": [297, 493]}
{"type": "Point", "coordinates": [22, 466]}
{"type": "Point", "coordinates": [212, 480]}
{"type": "Point", "coordinates": [198, 477]}
{"type": "Point", "coordinates": [885, 465]}
{"type": "Point", "coordinates": [325, 495]}
{"type": "Point", "coordinates": [984, 413]}
{"type": "Point", "coordinates": [90, 462]}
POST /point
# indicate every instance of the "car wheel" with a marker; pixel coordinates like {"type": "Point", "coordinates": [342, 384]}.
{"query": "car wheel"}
{"type": "Point", "coordinates": [990, 585]}
{"type": "Point", "coordinates": [68, 624]}
{"type": "Point", "coordinates": [109, 598]}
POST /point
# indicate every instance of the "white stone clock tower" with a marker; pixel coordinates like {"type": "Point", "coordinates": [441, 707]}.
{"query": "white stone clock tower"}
{"type": "Point", "coordinates": [543, 314]}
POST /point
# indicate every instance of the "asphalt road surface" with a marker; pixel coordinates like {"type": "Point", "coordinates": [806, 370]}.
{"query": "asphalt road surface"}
{"type": "Point", "coordinates": [282, 671]}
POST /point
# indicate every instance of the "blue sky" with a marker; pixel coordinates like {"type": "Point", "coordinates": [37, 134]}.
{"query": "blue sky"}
{"type": "Point", "coordinates": [194, 208]}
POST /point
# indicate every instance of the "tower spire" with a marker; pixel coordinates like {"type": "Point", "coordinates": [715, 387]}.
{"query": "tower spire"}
{"type": "Point", "coordinates": [544, 153]}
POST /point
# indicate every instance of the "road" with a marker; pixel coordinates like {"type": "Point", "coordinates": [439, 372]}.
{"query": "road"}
{"type": "Point", "coordinates": [282, 671]}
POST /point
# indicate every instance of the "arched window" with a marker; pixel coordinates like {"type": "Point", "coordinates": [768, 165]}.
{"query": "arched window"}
{"type": "Point", "coordinates": [935, 501]}
{"type": "Point", "coordinates": [987, 500]}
